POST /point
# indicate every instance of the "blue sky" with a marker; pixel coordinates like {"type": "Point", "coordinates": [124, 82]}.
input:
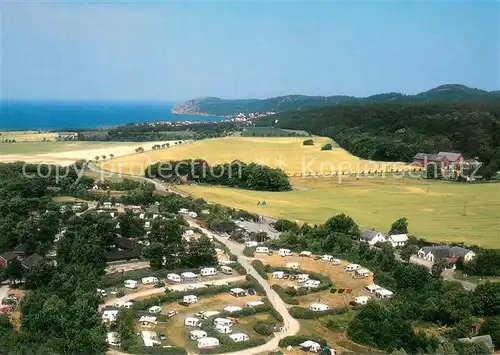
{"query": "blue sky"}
{"type": "Point", "coordinates": [175, 51]}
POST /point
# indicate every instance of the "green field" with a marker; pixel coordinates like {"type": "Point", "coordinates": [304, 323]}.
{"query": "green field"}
{"type": "Point", "coordinates": [437, 211]}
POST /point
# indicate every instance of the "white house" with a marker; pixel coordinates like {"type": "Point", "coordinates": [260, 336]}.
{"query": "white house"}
{"type": "Point", "coordinates": [398, 240]}
{"type": "Point", "coordinates": [434, 253]}
{"type": "Point", "coordinates": [192, 322]}
{"type": "Point", "coordinates": [150, 338]}
{"type": "Point", "coordinates": [208, 343]}
{"type": "Point", "coordinates": [372, 237]}
{"type": "Point", "coordinates": [232, 309]}
{"type": "Point", "coordinates": [237, 337]}
{"type": "Point", "coordinates": [113, 338]}
{"type": "Point", "coordinates": [318, 307]}
{"type": "Point", "coordinates": [154, 309]}
{"type": "Point", "coordinates": [197, 334]}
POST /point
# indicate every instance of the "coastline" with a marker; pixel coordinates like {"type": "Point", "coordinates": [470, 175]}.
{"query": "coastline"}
{"type": "Point", "coordinates": [177, 111]}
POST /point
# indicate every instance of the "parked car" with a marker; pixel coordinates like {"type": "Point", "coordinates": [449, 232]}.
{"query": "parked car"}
{"type": "Point", "coordinates": [251, 292]}
{"type": "Point", "coordinates": [162, 336]}
{"type": "Point", "coordinates": [171, 313]}
{"type": "Point", "coordinates": [160, 284]}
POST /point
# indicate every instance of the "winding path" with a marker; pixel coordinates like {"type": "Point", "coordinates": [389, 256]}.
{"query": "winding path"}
{"type": "Point", "coordinates": [290, 325]}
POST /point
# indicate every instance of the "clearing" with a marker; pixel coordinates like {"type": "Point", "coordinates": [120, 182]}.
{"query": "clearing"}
{"type": "Point", "coordinates": [438, 211]}
{"type": "Point", "coordinates": [67, 152]}
{"type": "Point", "coordinates": [286, 153]}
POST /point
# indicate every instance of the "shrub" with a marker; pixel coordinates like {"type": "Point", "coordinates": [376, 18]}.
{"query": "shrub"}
{"type": "Point", "coordinates": [152, 350]}
{"type": "Point", "coordinates": [249, 252]}
{"type": "Point", "coordinates": [327, 147]}
{"type": "Point", "coordinates": [231, 346]}
{"type": "Point", "coordinates": [276, 315]}
{"type": "Point", "coordinates": [259, 267]}
{"type": "Point", "coordinates": [256, 285]}
{"type": "Point", "coordinates": [239, 268]}
{"type": "Point", "coordinates": [299, 339]}
{"type": "Point", "coordinates": [264, 328]}
{"type": "Point", "coordinates": [285, 296]}
{"type": "Point", "coordinates": [305, 313]}
{"type": "Point", "coordinates": [308, 142]}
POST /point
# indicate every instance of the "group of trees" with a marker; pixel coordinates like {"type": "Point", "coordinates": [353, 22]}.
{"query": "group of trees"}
{"type": "Point", "coordinates": [396, 132]}
{"type": "Point", "coordinates": [419, 295]}
{"type": "Point", "coordinates": [235, 174]}
{"type": "Point", "coordinates": [485, 263]}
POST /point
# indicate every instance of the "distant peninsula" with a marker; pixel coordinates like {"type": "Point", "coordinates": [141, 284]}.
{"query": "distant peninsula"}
{"type": "Point", "coordinates": [213, 106]}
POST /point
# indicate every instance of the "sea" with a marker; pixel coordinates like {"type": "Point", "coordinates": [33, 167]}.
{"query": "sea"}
{"type": "Point", "coordinates": [53, 115]}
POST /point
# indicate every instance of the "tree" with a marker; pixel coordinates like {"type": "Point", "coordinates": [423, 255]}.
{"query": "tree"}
{"type": "Point", "coordinates": [400, 226]}
{"type": "Point", "coordinates": [308, 142]}
{"type": "Point", "coordinates": [130, 225]}
{"type": "Point", "coordinates": [103, 157]}
{"type": "Point", "coordinates": [125, 329]}
{"type": "Point", "coordinates": [111, 155]}
{"type": "Point", "coordinates": [407, 251]}
{"type": "Point", "coordinates": [438, 267]}
{"type": "Point", "coordinates": [327, 147]}
{"type": "Point", "coordinates": [433, 171]}
{"type": "Point", "coordinates": [96, 157]}
{"type": "Point", "coordinates": [487, 299]}
{"type": "Point", "coordinates": [14, 271]}
{"type": "Point", "coordinates": [492, 327]}
{"type": "Point", "coordinates": [155, 253]}
{"type": "Point", "coordinates": [341, 223]}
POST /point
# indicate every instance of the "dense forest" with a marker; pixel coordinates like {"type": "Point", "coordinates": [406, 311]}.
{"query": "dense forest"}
{"type": "Point", "coordinates": [396, 132]}
{"type": "Point", "coordinates": [236, 174]}
{"type": "Point", "coordinates": [444, 93]}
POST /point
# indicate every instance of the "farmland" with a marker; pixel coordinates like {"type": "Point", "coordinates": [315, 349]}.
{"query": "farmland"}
{"type": "Point", "coordinates": [287, 153]}
{"type": "Point", "coordinates": [27, 136]}
{"type": "Point", "coordinates": [65, 152]}
{"type": "Point", "coordinates": [437, 211]}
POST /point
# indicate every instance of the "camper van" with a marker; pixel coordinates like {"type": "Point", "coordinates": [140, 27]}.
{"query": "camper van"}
{"type": "Point", "coordinates": [327, 257]}
{"type": "Point", "coordinates": [237, 337]}
{"type": "Point", "coordinates": [382, 293]}
{"type": "Point", "coordinates": [361, 300]}
{"type": "Point", "coordinates": [361, 273]}
{"type": "Point", "coordinates": [209, 314]}
{"type": "Point", "coordinates": [173, 279]}
{"type": "Point", "coordinates": [183, 211]}
{"type": "Point", "coordinates": [226, 270]}
{"type": "Point", "coordinates": [285, 252]}
{"type": "Point", "coordinates": [208, 271]}
{"type": "Point", "coordinates": [278, 274]}
{"type": "Point", "coordinates": [232, 309]}
{"type": "Point", "coordinates": [318, 307]}
{"type": "Point", "coordinates": [295, 266]}
{"type": "Point", "coordinates": [305, 254]}
{"type": "Point", "coordinates": [192, 322]}
{"type": "Point", "coordinates": [224, 329]}
{"type": "Point", "coordinates": [197, 334]}
{"type": "Point", "coordinates": [208, 343]}
{"type": "Point", "coordinates": [311, 283]}
{"type": "Point", "coordinates": [371, 288]}
{"type": "Point", "coordinates": [222, 322]}
{"type": "Point", "coordinates": [255, 303]}
{"type": "Point", "coordinates": [336, 261]}
{"type": "Point", "coordinates": [238, 292]}
{"type": "Point", "coordinates": [155, 309]}
{"type": "Point", "coordinates": [130, 284]}
{"type": "Point", "coordinates": [109, 316]}
{"type": "Point", "coordinates": [251, 244]}
{"type": "Point", "coordinates": [302, 278]}
{"type": "Point", "coordinates": [149, 280]}
{"type": "Point", "coordinates": [192, 214]}
{"type": "Point", "coordinates": [352, 267]}
{"type": "Point", "coordinates": [262, 250]}
{"type": "Point", "coordinates": [189, 276]}
{"type": "Point", "coordinates": [190, 299]}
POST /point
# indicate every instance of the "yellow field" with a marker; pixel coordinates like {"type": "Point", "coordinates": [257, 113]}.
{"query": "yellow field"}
{"type": "Point", "coordinates": [286, 153]}
{"type": "Point", "coordinates": [437, 211]}
{"type": "Point", "coordinates": [28, 136]}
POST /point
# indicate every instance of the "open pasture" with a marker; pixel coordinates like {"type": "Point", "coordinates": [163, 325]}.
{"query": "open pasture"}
{"type": "Point", "coordinates": [437, 211]}
{"type": "Point", "coordinates": [28, 136]}
{"type": "Point", "coordinates": [66, 152]}
{"type": "Point", "coordinates": [287, 153]}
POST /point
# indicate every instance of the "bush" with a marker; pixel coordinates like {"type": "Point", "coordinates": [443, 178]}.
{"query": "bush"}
{"type": "Point", "coordinates": [305, 313]}
{"type": "Point", "coordinates": [264, 328]}
{"type": "Point", "coordinates": [299, 339]}
{"type": "Point", "coordinates": [285, 296]}
{"type": "Point", "coordinates": [232, 346]}
{"type": "Point", "coordinates": [308, 142]}
{"type": "Point", "coordinates": [276, 315]}
{"type": "Point", "coordinates": [239, 268]}
{"type": "Point", "coordinates": [327, 147]}
{"type": "Point", "coordinates": [259, 267]}
{"type": "Point", "coordinates": [156, 350]}
{"type": "Point", "coordinates": [256, 285]}
{"type": "Point", "coordinates": [249, 252]}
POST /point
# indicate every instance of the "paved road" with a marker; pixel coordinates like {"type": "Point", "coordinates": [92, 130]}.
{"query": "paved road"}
{"type": "Point", "coordinates": [290, 325]}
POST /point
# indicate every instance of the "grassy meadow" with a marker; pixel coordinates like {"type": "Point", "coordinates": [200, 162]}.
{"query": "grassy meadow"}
{"type": "Point", "coordinates": [28, 136]}
{"type": "Point", "coordinates": [437, 211]}
{"type": "Point", "coordinates": [287, 153]}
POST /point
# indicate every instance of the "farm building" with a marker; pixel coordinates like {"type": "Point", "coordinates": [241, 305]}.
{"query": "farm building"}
{"type": "Point", "coordinates": [398, 240]}
{"type": "Point", "coordinates": [237, 337]}
{"type": "Point", "coordinates": [208, 343]}
{"type": "Point", "coordinates": [319, 307]}
{"type": "Point", "coordinates": [372, 237]}
{"type": "Point", "coordinates": [197, 334]}
{"type": "Point", "coordinates": [238, 292]}
{"type": "Point", "coordinates": [451, 253]}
